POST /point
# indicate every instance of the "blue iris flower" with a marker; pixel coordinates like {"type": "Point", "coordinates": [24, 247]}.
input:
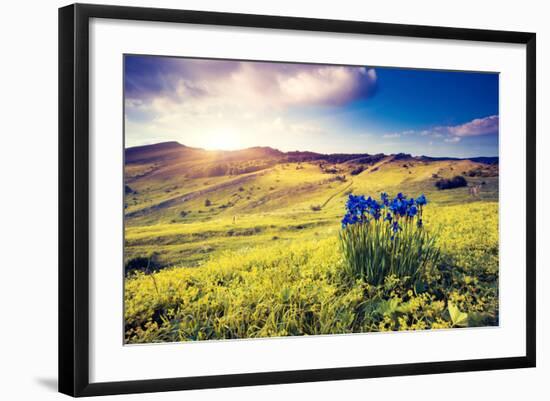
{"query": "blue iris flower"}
{"type": "Point", "coordinates": [412, 211]}
{"type": "Point", "coordinates": [360, 210]}
{"type": "Point", "coordinates": [421, 200]}
{"type": "Point", "coordinates": [384, 198]}
{"type": "Point", "coordinates": [345, 221]}
{"type": "Point", "coordinates": [394, 205]}
{"type": "Point", "coordinates": [399, 207]}
{"type": "Point", "coordinates": [349, 219]}
{"type": "Point", "coordinates": [395, 227]}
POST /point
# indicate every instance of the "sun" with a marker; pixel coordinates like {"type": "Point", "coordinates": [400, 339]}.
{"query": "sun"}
{"type": "Point", "coordinates": [223, 140]}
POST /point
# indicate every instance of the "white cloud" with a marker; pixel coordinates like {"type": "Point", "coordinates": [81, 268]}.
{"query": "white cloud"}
{"type": "Point", "coordinates": [198, 99]}
{"type": "Point", "coordinates": [322, 85]}
{"type": "Point", "coordinates": [256, 86]}
{"type": "Point", "coordinates": [453, 133]}
{"type": "Point", "coordinates": [479, 126]}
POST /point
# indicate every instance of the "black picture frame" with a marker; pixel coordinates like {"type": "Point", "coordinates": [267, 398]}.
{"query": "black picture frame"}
{"type": "Point", "coordinates": [74, 198]}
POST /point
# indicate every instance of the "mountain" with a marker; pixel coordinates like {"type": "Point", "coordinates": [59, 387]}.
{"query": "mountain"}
{"type": "Point", "coordinates": [156, 152]}
{"type": "Point", "coordinates": [173, 157]}
{"type": "Point", "coordinates": [492, 160]}
{"type": "Point", "coordinates": [485, 160]}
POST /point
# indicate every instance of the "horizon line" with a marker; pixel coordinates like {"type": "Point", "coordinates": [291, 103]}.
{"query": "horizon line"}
{"type": "Point", "coordinates": [309, 151]}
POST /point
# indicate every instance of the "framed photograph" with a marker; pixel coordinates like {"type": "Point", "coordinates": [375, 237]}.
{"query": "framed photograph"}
{"type": "Point", "coordinates": [250, 199]}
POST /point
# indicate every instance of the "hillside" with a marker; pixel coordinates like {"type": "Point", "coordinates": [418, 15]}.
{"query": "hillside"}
{"type": "Point", "coordinates": [184, 205]}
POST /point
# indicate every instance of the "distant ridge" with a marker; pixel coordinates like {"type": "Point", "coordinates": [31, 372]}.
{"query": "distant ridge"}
{"type": "Point", "coordinates": [174, 150]}
{"type": "Point", "coordinates": [485, 160]}
{"type": "Point", "coordinates": [156, 146]}
{"type": "Point", "coordinates": [162, 150]}
{"type": "Point", "coordinates": [479, 159]}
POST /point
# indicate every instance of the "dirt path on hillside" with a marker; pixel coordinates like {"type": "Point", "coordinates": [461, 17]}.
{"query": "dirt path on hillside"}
{"type": "Point", "coordinates": [376, 166]}
{"type": "Point", "coordinates": [331, 197]}
{"type": "Point", "coordinates": [194, 194]}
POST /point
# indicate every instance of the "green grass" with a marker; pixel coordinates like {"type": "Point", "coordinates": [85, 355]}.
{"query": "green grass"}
{"type": "Point", "coordinates": [372, 251]}
{"type": "Point", "coordinates": [260, 261]}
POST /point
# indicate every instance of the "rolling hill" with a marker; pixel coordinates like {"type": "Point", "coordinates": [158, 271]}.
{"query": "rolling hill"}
{"type": "Point", "coordinates": [183, 205]}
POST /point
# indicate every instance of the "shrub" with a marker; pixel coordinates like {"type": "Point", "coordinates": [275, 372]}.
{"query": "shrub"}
{"type": "Point", "coordinates": [341, 178]}
{"type": "Point", "coordinates": [455, 182]}
{"type": "Point", "coordinates": [376, 245]}
{"type": "Point", "coordinates": [142, 264]}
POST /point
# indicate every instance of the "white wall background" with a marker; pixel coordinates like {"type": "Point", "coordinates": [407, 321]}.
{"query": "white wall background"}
{"type": "Point", "coordinates": [28, 198]}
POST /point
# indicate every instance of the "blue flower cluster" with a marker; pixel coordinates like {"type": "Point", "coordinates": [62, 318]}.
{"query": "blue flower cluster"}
{"type": "Point", "coordinates": [362, 210]}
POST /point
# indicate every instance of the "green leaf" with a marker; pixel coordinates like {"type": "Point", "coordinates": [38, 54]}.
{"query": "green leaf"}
{"type": "Point", "coordinates": [420, 287]}
{"type": "Point", "coordinates": [388, 307]}
{"type": "Point", "coordinates": [457, 317]}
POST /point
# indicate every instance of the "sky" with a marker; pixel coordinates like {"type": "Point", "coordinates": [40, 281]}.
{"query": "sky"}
{"type": "Point", "coordinates": [228, 105]}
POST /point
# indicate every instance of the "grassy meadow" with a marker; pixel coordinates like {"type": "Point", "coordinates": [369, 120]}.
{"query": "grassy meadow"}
{"type": "Point", "coordinates": [244, 244]}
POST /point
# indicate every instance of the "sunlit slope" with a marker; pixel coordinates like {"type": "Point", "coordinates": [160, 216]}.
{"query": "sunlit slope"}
{"type": "Point", "coordinates": [185, 204]}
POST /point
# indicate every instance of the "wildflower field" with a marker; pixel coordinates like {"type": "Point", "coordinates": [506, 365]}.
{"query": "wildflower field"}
{"type": "Point", "coordinates": [289, 248]}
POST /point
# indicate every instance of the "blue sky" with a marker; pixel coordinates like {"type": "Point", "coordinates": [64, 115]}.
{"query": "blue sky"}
{"type": "Point", "coordinates": [221, 104]}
